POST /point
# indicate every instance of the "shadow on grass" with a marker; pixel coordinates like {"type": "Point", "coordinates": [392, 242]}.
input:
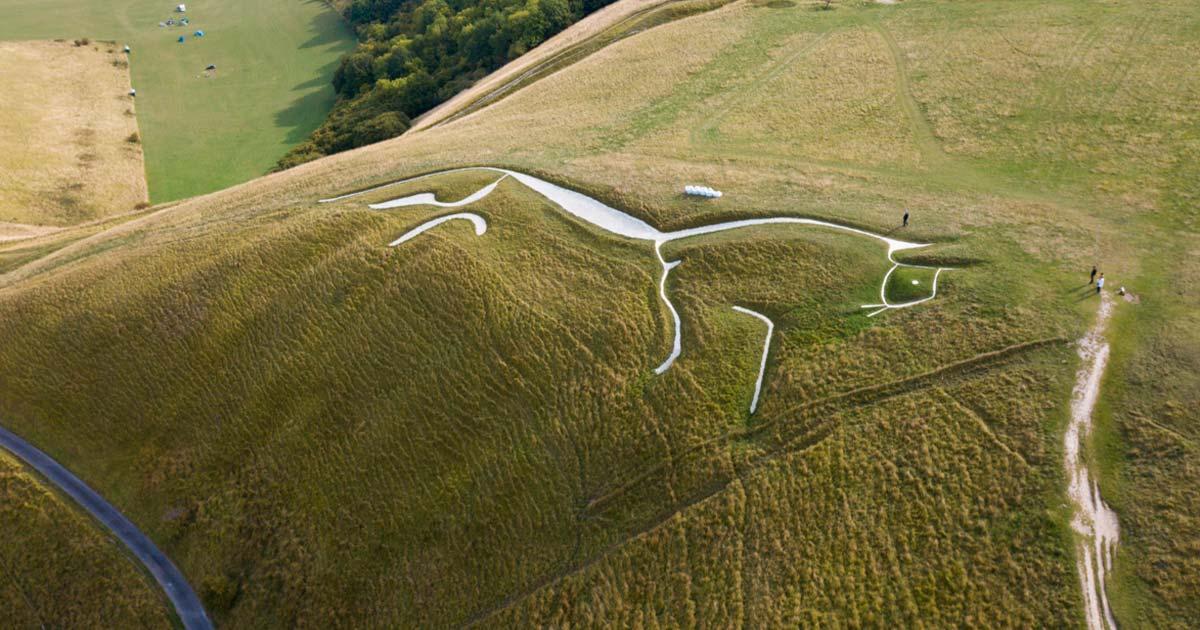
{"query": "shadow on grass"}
{"type": "Point", "coordinates": [308, 111]}
{"type": "Point", "coordinates": [329, 28]}
{"type": "Point", "coordinates": [322, 78]}
{"type": "Point", "coordinates": [304, 114]}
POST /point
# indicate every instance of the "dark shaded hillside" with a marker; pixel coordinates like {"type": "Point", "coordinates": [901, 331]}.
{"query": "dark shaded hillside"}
{"type": "Point", "coordinates": [415, 54]}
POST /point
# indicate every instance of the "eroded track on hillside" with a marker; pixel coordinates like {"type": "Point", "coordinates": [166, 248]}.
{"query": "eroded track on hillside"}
{"type": "Point", "coordinates": [1093, 521]}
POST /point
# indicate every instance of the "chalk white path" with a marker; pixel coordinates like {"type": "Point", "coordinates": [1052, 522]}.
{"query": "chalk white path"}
{"type": "Point", "coordinates": [677, 343]}
{"type": "Point", "coordinates": [1093, 520]}
{"type": "Point", "coordinates": [183, 598]}
{"type": "Point", "coordinates": [620, 223]}
{"type": "Point", "coordinates": [762, 366]}
{"type": "Point", "coordinates": [427, 199]}
{"type": "Point", "coordinates": [480, 226]}
{"type": "Point", "coordinates": [885, 305]}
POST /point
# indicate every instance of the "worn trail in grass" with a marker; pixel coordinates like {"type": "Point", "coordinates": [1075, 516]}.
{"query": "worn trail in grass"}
{"type": "Point", "coordinates": [1094, 522]}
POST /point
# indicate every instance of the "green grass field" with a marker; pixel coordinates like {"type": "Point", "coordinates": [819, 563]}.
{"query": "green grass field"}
{"type": "Point", "coordinates": [274, 62]}
{"type": "Point", "coordinates": [324, 431]}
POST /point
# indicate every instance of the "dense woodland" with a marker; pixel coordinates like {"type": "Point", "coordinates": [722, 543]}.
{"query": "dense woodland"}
{"type": "Point", "coordinates": [414, 54]}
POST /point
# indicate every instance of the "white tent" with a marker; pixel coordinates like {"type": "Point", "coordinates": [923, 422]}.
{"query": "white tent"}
{"type": "Point", "coordinates": [181, 8]}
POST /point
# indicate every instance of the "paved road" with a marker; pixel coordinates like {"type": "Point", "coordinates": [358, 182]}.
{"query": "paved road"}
{"type": "Point", "coordinates": [187, 605]}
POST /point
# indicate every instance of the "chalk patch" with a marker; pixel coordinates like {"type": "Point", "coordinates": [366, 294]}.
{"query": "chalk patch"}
{"type": "Point", "coordinates": [616, 222]}
{"type": "Point", "coordinates": [427, 199]}
{"type": "Point", "coordinates": [480, 226]}
{"type": "Point", "coordinates": [762, 366]}
{"type": "Point", "coordinates": [677, 344]}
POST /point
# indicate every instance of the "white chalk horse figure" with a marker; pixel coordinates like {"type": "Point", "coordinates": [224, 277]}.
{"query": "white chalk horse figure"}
{"type": "Point", "coordinates": [622, 224]}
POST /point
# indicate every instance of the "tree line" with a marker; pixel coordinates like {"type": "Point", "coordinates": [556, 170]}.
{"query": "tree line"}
{"type": "Point", "coordinates": [414, 54]}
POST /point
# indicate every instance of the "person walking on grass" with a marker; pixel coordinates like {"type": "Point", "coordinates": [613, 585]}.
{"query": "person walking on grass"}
{"type": "Point", "coordinates": [1093, 279]}
{"type": "Point", "coordinates": [1100, 284]}
{"type": "Point", "coordinates": [905, 219]}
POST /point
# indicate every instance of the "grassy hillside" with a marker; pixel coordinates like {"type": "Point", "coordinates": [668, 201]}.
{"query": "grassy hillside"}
{"type": "Point", "coordinates": [323, 431]}
{"type": "Point", "coordinates": [57, 570]}
{"type": "Point", "coordinates": [274, 62]}
{"type": "Point", "coordinates": [66, 156]}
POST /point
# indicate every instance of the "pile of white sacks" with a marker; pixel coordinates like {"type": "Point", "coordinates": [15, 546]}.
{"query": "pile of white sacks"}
{"type": "Point", "coordinates": [702, 191]}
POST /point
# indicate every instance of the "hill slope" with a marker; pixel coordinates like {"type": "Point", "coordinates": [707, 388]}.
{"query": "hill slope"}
{"type": "Point", "coordinates": [323, 430]}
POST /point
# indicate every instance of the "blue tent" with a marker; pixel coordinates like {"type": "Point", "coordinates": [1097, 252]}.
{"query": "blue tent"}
{"type": "Point", "coordinates": [199, 33]}
{"type": "Point", "coordinates": [181, 39]}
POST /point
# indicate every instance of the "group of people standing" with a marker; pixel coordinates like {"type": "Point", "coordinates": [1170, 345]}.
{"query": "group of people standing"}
{"type": "Point", "coordinates": [1099, 282]}
{"type": "Point", "coordinates": [1094, 281]}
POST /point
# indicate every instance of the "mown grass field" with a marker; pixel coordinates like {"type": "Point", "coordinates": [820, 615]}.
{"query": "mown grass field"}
{"type": "Point", "coordinates": [66, 156]}
{"type": "Point", "coordinates": [323, 431]}
{"type": "Point", "coordinates": [58, 571]}
{"type": "Point", "coordinates": [274, 62]}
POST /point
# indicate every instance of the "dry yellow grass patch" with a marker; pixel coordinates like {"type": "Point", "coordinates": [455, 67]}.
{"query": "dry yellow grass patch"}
{"type": "Point", "coordinates": [65, 150]}
{"type": "Point", "coordinates": [828, 98]}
